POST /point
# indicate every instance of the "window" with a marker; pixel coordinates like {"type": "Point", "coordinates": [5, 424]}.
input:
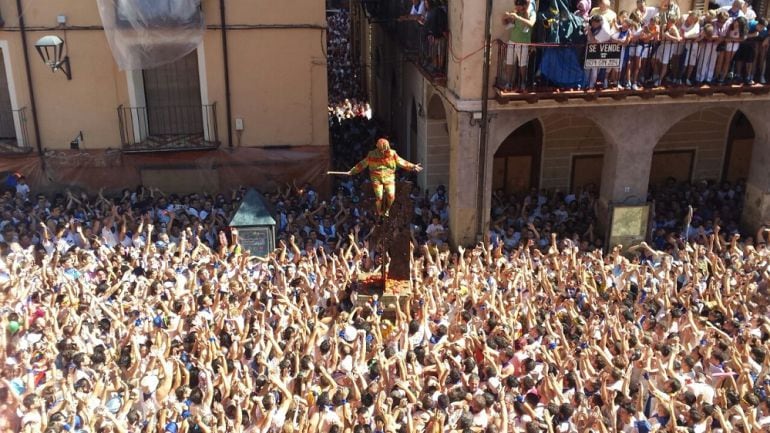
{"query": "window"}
{"type": "Point", "coordinates": [166, 13]}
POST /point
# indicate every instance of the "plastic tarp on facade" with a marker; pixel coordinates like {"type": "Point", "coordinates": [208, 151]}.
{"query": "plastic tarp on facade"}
{"type": "Point", "coordinates": [144, 34]}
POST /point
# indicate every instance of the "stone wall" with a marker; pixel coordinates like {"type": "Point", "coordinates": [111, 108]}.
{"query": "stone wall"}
{"type": "Point", "coordinates": [563, 138]}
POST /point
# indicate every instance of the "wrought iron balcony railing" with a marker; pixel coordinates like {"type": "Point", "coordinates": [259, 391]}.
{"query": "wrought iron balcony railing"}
{"type": "Point", "coordinates": [13, 132]}
{"type": "Point", "coordinates": [171, 128]}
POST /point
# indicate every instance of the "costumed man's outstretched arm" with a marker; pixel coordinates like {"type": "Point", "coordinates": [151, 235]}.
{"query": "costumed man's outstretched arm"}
{"type": "Point", "coordinates": [358, 168]}
{"type": "Point", "coordinates": [406, 165]}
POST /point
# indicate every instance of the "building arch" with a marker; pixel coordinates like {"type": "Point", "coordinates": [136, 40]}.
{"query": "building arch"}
{"type": "Point", "coordinates": [693, 148]}
{"type": "Point", "coordinates": [739, 148]}
{"type": "Point", "coordinates": [517, 161]}
{"type": "Point", "coordinates": [436, 109]}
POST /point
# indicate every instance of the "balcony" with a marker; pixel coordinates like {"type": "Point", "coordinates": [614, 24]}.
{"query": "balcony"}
{"type": "Point", "coordinates": [592, 71]}
{"type": "Point", "coordinates": [168, 129]}
{"type": "Point", "coordinates": [426, 50]}
{"type": "Point", "coordinates": [13, 132]}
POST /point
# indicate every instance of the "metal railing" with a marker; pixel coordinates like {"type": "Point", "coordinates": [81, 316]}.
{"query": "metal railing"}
{"type": "Point", "coordinates": [433, 53]}
{"type": "Point", "coordinates": [13, 131]}
{"type": "Point", "coordinates": [171, 128]}
{"type": "Point", "coordinates": [640, 67]}
{"type": "Point", "coordinates": [429, 51]}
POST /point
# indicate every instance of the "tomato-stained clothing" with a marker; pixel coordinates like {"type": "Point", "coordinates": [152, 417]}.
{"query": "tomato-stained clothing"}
{"type": "Point", "coordinates": [382, 165]}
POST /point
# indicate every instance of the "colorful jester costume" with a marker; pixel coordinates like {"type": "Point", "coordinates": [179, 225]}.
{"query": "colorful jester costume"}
{"type": "Point", "coordinates": [382, 163]}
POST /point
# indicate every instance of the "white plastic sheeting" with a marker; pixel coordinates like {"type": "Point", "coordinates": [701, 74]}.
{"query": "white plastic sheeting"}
{"type": "Point", "coordinates": [144, 34]}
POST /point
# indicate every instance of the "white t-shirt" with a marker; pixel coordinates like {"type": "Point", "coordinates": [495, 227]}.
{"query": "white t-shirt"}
{"type": "Point", "coordinates": [649, 14]}
{"type": "Point", "coordinates": [22, 190]}
{"type": "Point", "coordinates": [418, 9]}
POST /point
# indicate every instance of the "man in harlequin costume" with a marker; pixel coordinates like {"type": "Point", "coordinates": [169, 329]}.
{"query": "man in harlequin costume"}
{"type": "Point", "coordinates": [382, 163]}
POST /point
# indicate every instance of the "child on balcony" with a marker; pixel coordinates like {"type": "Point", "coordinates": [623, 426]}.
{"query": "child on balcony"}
{"type": "Point", "coordinates": [669, 38]}
{"type": "Point", "coordinates": [623, 37]}
{"type": "Point", "coordinates": [707, 52]}
{"type": "Point", "coordinates": [647, 39]}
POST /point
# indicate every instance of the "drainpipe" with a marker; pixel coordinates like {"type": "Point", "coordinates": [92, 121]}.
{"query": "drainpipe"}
{"type": "Point", "coordinates": [228, 105]}
{"type": "Point", "coordinates": [481, 217]}
{"type": "Point", "coordinates": [31, 88]}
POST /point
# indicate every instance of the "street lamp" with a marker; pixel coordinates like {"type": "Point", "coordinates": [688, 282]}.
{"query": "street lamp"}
{"type": "Point", "coordinates": [51, 49]}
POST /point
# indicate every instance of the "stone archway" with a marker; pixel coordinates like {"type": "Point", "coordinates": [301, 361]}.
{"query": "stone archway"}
{"type": "Point", "coordinates": [517, 161]}
{"type": "Point", "coordinates": [739, 149]}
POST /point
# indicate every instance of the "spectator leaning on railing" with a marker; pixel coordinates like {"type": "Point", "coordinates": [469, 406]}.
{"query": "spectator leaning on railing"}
{"type": "Point", "coordinates": [520, 22]}
{"type": "Point", "coordinates": [661, 47]}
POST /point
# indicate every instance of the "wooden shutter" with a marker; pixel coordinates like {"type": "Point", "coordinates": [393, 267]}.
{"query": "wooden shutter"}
{"type": "Point", "coordinates": [173, 96]}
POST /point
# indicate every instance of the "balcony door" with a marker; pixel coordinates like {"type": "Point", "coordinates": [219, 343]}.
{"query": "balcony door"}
{"type": "Point", "coordinates": [173, 98]}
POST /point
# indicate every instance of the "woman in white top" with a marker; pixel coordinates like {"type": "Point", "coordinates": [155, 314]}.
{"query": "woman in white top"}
{"type": "Point", "coordinates": [732, 32]}
{"type": "Point", "coordinates": [690, 31]}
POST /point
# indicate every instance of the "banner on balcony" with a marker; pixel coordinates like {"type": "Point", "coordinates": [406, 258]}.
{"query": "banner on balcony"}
{"type": "Point", "coordinates": [144, 34]}
{"type": "Point", "coordinates": [603, 56]}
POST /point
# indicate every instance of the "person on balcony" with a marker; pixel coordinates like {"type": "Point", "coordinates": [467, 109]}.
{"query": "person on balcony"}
{"type": "Point", "coordinates": [382, 163]}
{"type": "Point", "coordinates": [669, 10]}
{"type": "Point", "coordinates": [735, 9]}
{"type": "Point", "coordinates": [733, 32]}
{"type": "Point", "coordinates": [690, 31]}
{"type": "Point", "coordinates": [606, 12]}
{"type": "Point", "coordinates": [436, 27]}
{"type": "Point", "coordinates": [583, 9]}
{"type": "Point", "coordinates": [633, 49]}
{"type": "Point", "coordinates": [621, 36]}
{"type": "Point", "coordinates": [762, 42]}
{"type": "Point", "coordinates": [416, 12]}
{"type": "Point", "coordinates": [647, 38]}
{"type": "Point", "coordinates": [707, 51]}
{"type": "Point", "coordinates": [597, 32]}
{"type": "Point", "coordinates": [644, 12]}
{"type": "Point", "coordinates": [670, 37]}
{"type": "Point", "coordinates": [520, 21]}
{"type": "Point", "coordinates": [747, 51]}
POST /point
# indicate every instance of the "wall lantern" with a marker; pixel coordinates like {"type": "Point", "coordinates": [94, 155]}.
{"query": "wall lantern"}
{"type": "Point", "coordinates": [51, 50]}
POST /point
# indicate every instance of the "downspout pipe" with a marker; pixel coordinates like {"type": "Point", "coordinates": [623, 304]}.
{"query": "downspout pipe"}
{"type": "Point", "coordinates": [28, 70]}
{"type": "Point", "coordinates": [484, 132]}
{"type": "Point", "coordinates": [228, 104]}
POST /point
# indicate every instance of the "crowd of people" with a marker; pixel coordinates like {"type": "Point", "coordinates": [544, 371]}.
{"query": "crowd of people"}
{"type": "Point", "coordinates": [140, 312]}
{"type": "Point", "coordinates": [659, 46]}
{"type": "Point", "coordinates": [346, 97]}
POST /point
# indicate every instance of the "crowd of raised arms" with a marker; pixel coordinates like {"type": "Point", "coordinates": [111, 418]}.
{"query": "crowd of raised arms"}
{"type": "Point", "coordinates": [140, 312]}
